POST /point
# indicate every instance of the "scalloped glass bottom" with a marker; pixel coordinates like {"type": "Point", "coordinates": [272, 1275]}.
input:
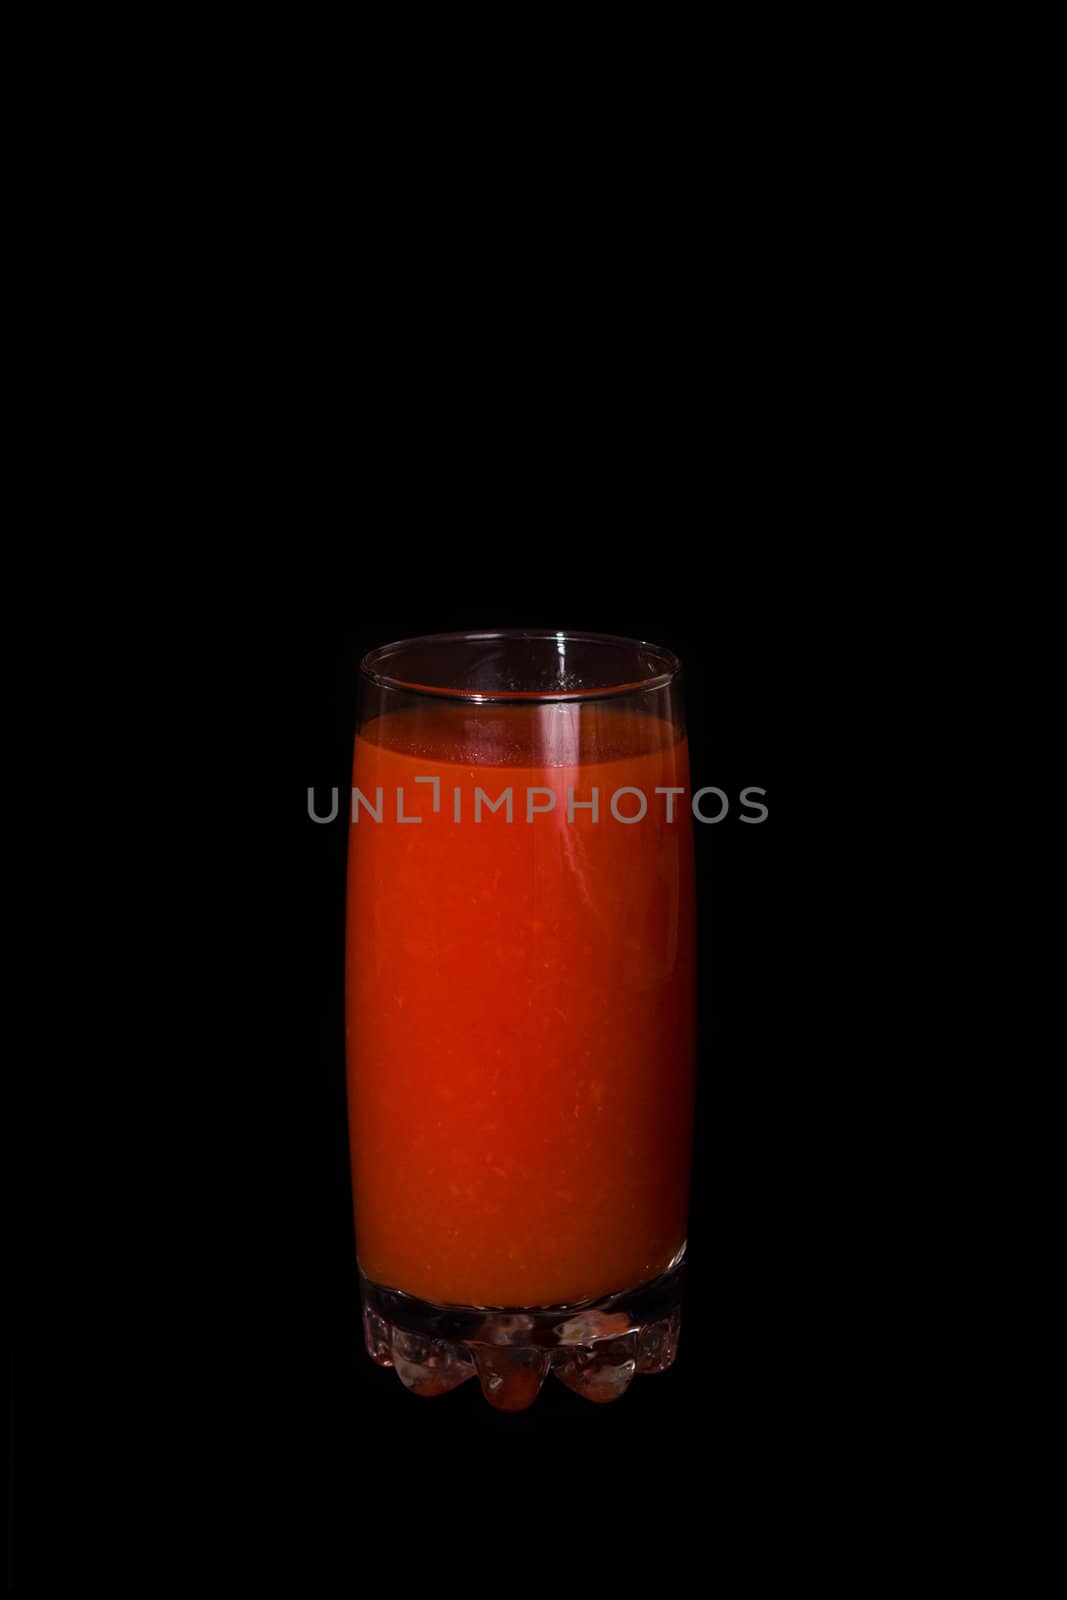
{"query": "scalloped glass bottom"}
{"type": "Point", "coordinates": [596, 1348]}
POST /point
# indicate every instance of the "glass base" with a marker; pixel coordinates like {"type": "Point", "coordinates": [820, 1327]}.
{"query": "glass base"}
{"type": "Point", "coordinates": [596, 1347]}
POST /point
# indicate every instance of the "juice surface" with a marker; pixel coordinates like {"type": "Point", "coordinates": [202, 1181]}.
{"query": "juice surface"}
{"type": "Point", "coordinates": [520, 1000]}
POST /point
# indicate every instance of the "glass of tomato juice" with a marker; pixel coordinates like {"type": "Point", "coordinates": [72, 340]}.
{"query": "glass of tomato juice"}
{"type": "Point", "coordinates": [520, 1010]}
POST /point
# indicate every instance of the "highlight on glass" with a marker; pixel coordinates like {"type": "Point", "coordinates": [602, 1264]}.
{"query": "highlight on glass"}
{"type": "Point", "coordinates": [520, 999]}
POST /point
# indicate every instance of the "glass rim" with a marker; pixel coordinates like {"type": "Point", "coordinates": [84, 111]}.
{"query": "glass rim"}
{"type": "Point", "coordinates": [372, 663]}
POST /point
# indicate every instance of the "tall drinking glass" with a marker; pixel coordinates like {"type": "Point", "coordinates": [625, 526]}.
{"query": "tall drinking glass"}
{"type": "Point", "coordinates": [520, 996]}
